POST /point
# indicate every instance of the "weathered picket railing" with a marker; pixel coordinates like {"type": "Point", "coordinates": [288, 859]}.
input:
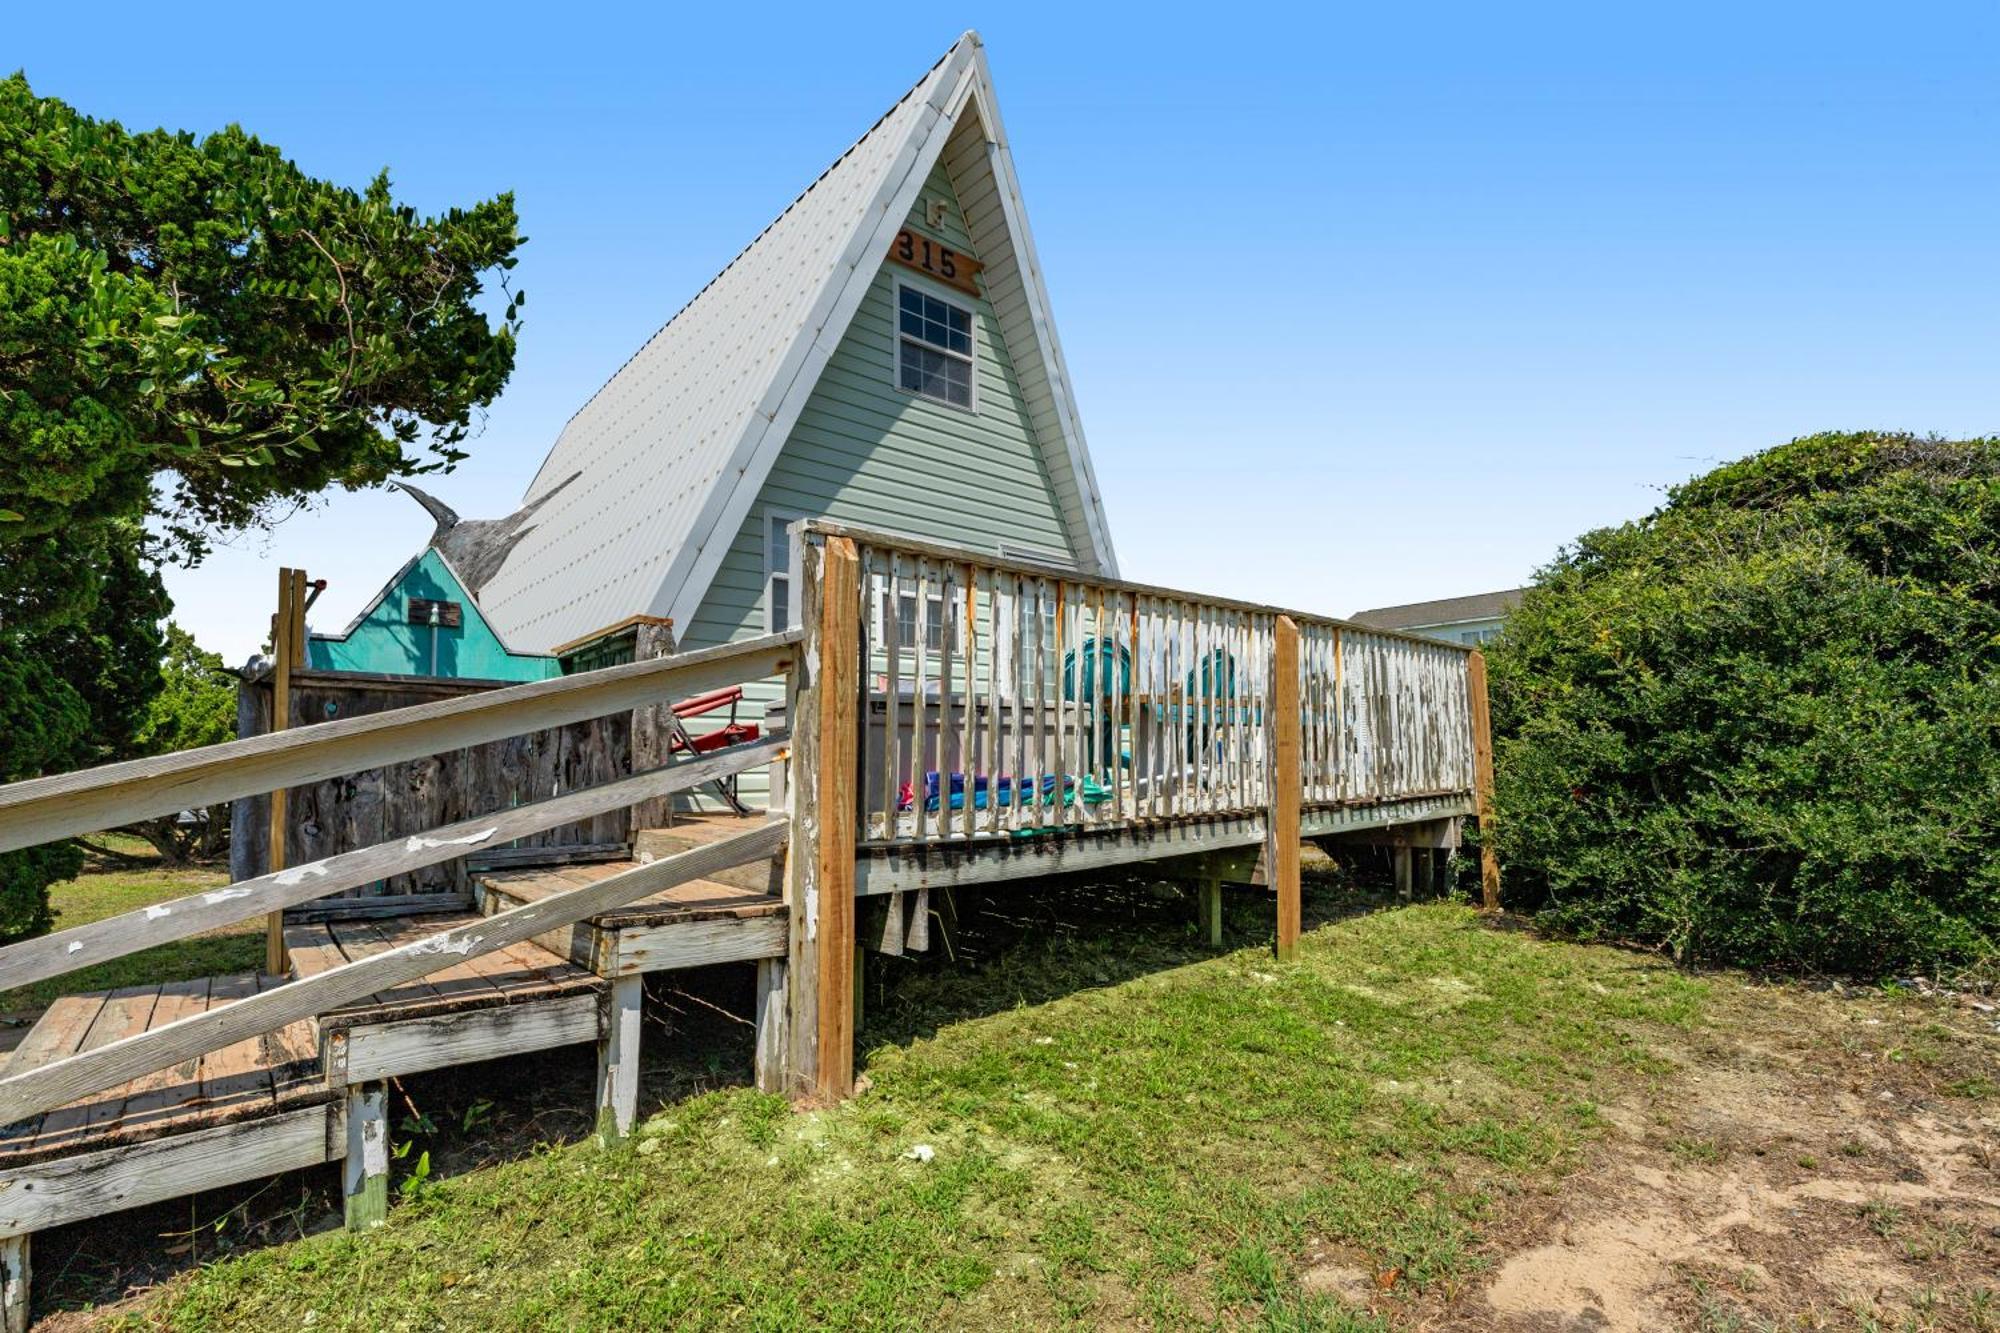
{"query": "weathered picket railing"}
{"type": "Point", "coordinates": [1001, 697]}
{"type": "Point", "coordinates": [49, 808]}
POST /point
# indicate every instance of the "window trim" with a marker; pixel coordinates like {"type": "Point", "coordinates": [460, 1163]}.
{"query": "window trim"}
{"type": "Point", "coordinates": [776, 620]}
{"type": "Point", "coordinates": [897, 338]}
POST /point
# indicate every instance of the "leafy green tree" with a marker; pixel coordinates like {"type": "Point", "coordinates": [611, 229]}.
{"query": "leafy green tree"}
{"type": "Point", "coordinates": [1762, 725]}
{"type": "Point", "coordinates": [74, 682]}
{"type": "Point", "coordinates": [196, 706]}
{"type": "Point", "coordinates": [195, 337]}
{"type": "Point", "coordinates": [202, 309]}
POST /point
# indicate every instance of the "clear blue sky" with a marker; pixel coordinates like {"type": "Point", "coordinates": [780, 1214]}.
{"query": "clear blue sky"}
{"type": "Point", "coordinates": [1364, 305]}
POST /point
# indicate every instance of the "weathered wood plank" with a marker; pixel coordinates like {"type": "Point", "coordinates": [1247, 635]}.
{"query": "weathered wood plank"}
{"type": "Point", "coordinates": [618, 1058]}
{"type": "Point", "coordinates": [681, 944]}
{"type": "Point", "coordinates": [768, 1065]}
{"type": "Point", "coordinates": [91, 1071]}
{"type": "Point", "coordinates": [44, 809]}
{"type": "Point", "coordinates": [63, 1189]}
{"type": "Point", "coordinates": [993, 860]}
{"type": "Point", "coordinates": [14, 1285]}
{"type": "Point", "coordinates": [365, 1173]}
{"type": "Point", "coordinates": [52, 955]}
{"type": "Point", "coordinates": [411, 1045]}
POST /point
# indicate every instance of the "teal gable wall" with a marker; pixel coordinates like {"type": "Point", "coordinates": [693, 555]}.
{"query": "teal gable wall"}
{"type": "Point", "coordinates": [867, 452]}
{"type": "Point", "coordinates": [385, 642]}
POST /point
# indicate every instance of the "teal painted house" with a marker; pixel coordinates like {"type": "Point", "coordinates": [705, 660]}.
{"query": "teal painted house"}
{"type": "Point", "coordinates": [424, 622]}
{"type": "Point", "coordinates": [883, 353]}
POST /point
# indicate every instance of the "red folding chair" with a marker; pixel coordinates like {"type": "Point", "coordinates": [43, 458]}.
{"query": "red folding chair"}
{"type": "Point", "coordinates": [729, 733]}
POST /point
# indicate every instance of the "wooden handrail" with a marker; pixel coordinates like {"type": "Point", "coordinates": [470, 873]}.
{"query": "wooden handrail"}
{"type": "Point", "coordinates": [44, 809]}
{"type": "Point", "coordinates": [896, 541]}
{"type": "Point", "coordinates": [63, 1081]}
{"type": "Point", "coordinates": [99, 941]}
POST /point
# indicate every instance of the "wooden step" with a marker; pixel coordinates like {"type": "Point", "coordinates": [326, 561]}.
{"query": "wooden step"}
{"type": "Point", "coordinates": [653, 844]}
{"type": "Point", "coordinates": [511, 1001]}
{"type": "Point", "coordinates": [695, 900]}
{"type": "Point", "coordinates": [516, 974]}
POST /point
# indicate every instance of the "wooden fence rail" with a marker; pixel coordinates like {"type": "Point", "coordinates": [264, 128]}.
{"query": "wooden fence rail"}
{"type": "Point", "coordinates": [44, 809]}
{"type": "Point", "coordinates": [60, 1082]}
{"type": "Point", "coordinates": [48, 808]}
{"type": "Point", "coordinates": [1005, 698]}
{"type": "Point", "coordinates": [99, 941]}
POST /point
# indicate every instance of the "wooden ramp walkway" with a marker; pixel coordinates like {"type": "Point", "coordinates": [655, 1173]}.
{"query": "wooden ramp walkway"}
{"type": "Point", "coordinates": [278, 1071]}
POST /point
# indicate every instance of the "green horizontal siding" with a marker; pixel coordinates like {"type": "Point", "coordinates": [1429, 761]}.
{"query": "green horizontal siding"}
{"type": "Point", "coordinates": [866, 452]}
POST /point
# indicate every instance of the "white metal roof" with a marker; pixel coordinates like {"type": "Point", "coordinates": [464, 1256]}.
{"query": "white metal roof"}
{"type": "Point", "coordinates": [674, 448]}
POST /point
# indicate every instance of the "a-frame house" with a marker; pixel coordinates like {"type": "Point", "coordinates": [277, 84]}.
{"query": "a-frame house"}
{"type": "Point", "coordinates": [882, 354]}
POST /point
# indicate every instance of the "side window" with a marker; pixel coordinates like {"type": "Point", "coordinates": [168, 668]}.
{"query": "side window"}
{"type": "Point", "coordinates": [778, 570]}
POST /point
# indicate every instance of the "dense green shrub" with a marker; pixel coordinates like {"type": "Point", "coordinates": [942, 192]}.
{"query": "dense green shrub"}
{"type": "Point", "coordinates": [1762, 725]}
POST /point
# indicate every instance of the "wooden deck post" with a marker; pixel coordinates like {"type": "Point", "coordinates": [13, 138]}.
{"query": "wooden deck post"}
{"type": "Point", "coordinates": [1404, 858]}
{"type": "Point", "coordinates": [15, 1315]}
{"type": "Point", "coordinates": [1209, 898]}
{"type": "Point", "coordinates": [819, 880]}
{"type": "Point", "coordinates": [618, 1058]}
{"type": "Point", "coordinates": [1482, 781]}
{"type": "Point", "coordinates": [288, 644]}
{"type": "Point", "coordinates": [365, 1173]}
{"type": "Point", "coordinates": [768, 1065]}
{"type": "Point", "coordinates": [1282, 858]}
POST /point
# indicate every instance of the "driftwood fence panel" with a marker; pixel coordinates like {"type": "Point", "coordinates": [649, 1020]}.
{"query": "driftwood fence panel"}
{"type": "Point", "coordinates": [358, 810]}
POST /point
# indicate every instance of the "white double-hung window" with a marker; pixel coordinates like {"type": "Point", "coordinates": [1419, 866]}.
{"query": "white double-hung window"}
{"type": "Point", "coordinates": [933, 346]}
{"type": "Point", "coordinates": [778, 570]}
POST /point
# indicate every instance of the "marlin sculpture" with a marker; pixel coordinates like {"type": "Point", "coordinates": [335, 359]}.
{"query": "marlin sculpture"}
{"type": "Point", "coordinates": [478, 547]}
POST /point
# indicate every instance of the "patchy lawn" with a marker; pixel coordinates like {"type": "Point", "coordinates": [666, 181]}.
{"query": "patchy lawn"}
{"type": "Point", "coordinates": [106, 889]}
{"type": "Point", "coordinates": [1428, 1122]}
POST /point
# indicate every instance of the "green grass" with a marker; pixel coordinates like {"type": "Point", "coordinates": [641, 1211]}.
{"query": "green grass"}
{"type": "Point", "coordinates": [100, 892]}
{"type": "Point", "coordinates": [1138, 1133]}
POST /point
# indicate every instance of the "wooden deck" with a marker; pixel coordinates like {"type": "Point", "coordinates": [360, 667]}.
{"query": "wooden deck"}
{"type": "Point", "coordinates": [276, 1072]}
{"type": "Point", "coordinates": [279, 1071]}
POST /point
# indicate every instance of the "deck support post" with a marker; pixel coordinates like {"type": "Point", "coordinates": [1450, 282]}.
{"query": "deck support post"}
{"type": "Point", "coordinates": [1208, 897]}
{"type": "Point", "coordinates": [14, 1284]}
{"type": "Point", "coordinates": [860, 985]}
{"type": "Point", "coordinates": [618, 1058]}
{"type": "Point", "coordinates": [1282, 851]}
{"type": "Point", "coordinates": [1482, 781]}
{"type": "Point", "coordinates": [288, 647]}
{"type": "Point", "coordinates": [365, 1173]}
{"type": "Point", "coordinates": [1405, 862]}
{"type": "Point", "coordinates": [768, 1065]}
{"type": "Point", "coordinates": [819, 866]}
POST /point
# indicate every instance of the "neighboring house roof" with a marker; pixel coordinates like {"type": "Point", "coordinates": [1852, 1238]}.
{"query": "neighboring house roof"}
{"type": "Point", "coordinates": [673, 450]}
{"type": "Point", "coordinates": [1445, 611]}
{"type": "Point", "coordinates": [476, 650]}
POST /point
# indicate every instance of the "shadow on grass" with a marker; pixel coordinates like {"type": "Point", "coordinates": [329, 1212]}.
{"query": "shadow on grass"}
{"type": "Point", "coordinates": [1034, 941]}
